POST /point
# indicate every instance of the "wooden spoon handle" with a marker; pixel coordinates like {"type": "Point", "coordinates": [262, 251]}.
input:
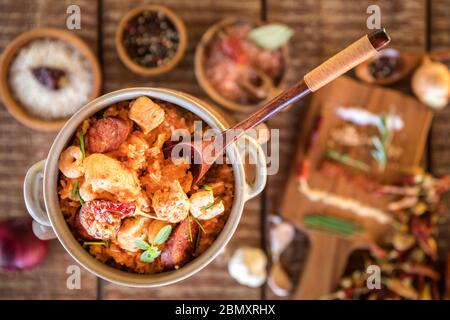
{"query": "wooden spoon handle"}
{"type": "Point", "coordinates": [343, 61]}
{"type": "Point", "coordinates": [346, 59]}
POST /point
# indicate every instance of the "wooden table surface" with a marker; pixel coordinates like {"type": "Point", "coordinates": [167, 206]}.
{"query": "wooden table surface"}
{"type": "Point", "coordinates": [322, 27]}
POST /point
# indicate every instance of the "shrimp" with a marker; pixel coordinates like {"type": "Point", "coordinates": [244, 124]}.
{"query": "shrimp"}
{"type": "Point", "coordinates": [171, 203]}
{"type": "Point", "coordinates": [147, 114]}
{"type": "Point", "coordinates": [71, 162]}
{"type": "Point", "coordinates": [203, 205]}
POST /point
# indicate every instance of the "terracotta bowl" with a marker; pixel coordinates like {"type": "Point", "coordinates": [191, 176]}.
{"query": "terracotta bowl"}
{"type": "Point", "coordinates": [131, 64]}
{"type": "Point", "coordinates": [203, 80]}
{"type": "Point", "coordinates": [8, 56]}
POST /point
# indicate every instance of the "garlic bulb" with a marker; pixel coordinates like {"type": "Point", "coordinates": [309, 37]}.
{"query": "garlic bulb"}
{"type": "Point", "coordinates": [431, 83]}
{"type": "Point", "coordinates": [248, 266]}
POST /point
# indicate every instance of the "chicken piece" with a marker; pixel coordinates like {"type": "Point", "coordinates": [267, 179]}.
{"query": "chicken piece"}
{"type": "Point", "coordinates": [147, 114]}
{"type": "Point", "coordinates": [131, 230]}
{"type": "Point", "coordinates": [203, 206]}
{"type": "Point", "coordinates": [134, 149]}
{"type": "Point", "coordinates": [105, 174]}
{"type": "Point", "coordinates": [171, 203]}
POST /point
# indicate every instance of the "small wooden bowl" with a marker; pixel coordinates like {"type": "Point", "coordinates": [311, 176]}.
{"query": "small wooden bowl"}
{"type": "Point", "coordinates": [408, 62]}
{"type": "Point", "coordinates": [13, 106]}
{"type": "Point", "coordinates": [203, 80]}
{"type": "Point", "coordinates": [131, 64]}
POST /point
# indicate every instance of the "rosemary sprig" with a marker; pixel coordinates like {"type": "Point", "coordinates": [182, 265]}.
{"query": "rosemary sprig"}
{"type": "Point", "coordinates": [189, 227]}
{"type": "Point", "coordinates": [381, 143]}
{"type": "Point", "coordinates": [207, 187]}
{"type": "Point", "coordinates": [199, 224]}
{"type": "Point", "coordinates": [74, 190]}
{"type": "Point", "coordinates": [96, 243]}
{"type": "Point", "coordinates": [347, 160]}
{"type": "Point", "coordinates": [83, 151]}
{"type": "Point", "coordinates": [332, 224]}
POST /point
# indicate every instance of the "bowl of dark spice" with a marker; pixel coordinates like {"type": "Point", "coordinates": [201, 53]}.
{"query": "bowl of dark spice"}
{"type": "Point", "coordinates": [387, 67]}
{"type": "Point", "coordinates": [151, 39]}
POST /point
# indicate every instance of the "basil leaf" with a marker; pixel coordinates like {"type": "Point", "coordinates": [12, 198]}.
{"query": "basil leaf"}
{"type": "Point", "coordinates": [207, 187]}
{"type": "Point", "coordinates": [271, 36]}
{"type": "Point", "coordinates": [163, 235]}
{"type": "Point", "coordinates": [150, 254]}
{"type": "Point", "coordinates": [141, 244]}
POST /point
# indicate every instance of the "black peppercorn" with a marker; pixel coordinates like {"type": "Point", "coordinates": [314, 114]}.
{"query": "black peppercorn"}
{"type": "Point", "coordinates": [151, 39]}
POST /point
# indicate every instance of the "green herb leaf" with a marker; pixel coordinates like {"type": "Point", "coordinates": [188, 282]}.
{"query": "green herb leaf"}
{"type": "Point", "coordinates": [74, 190]}
{"type": "Point", "coordinates": [207, 187]}
{"type": "Point", "coordinates": [345, 159]}
{"type": "Point", "coordinates": [199, 224]}
{"type": "Point", "coordinates": [80, 198]}
{"type": "Point", "coordinates": [141, 244]}
{"type": "Point", "coordinates": [95, 243]}
{"type": "Point", "coordinates": [209, 206]}
{"type": "Point", "coordinates": [271, 36]}
{"type": "Point", "coordinates": [163, 235]}
{"type": "Point", "coordinates": [150, 254]}
{"type": "Point", "coordinates": [83, 152]}
{"type": "Point", "coordinates": [189, 227]}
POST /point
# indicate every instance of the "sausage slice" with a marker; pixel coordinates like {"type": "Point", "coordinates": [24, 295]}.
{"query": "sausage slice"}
{"type": "Point", "coordinates": [107, 134]}
{"type": "Point", "coordinates": [179, 248]}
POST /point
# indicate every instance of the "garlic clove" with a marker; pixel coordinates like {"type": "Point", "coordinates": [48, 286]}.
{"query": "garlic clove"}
{"type": "Point", "coordinates": [431, 83]}
{"type": "Point", "coordinates": [281, 235]}
{"type": "Point", "coordinates": [248, 266]}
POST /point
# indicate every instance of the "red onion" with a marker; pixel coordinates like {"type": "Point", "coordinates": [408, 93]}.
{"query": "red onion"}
{"type": "Point", "coordinates": [19, 247]}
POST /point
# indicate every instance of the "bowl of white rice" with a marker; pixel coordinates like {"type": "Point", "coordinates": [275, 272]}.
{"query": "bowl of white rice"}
{"type": "Point", "coordinates": [46, 75]}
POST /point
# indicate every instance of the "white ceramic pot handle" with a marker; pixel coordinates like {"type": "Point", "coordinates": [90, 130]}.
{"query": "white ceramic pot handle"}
{"type": "Point", "coordinates": [257, 156]}
{"type": "Point", "coordinates": [41, 224]}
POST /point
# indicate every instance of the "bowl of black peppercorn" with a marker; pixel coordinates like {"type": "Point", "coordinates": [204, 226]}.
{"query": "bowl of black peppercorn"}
{"type": "Point", "coordinates": [151, 39]}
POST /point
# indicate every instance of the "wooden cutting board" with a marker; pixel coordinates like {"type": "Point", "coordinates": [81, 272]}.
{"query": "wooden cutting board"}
{"type": "Point", "coordinates": [328, 253]}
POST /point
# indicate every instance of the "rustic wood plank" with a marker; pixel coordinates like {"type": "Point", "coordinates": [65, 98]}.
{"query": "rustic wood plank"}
{"type": "Point", "coordinates": [21, 147]}
{"type": "Point", "coordinates": [440, 130]}
{"type": "Point", "coordinates": [323, 27]}
{"type": "Point", "coordinates": [214, 281]}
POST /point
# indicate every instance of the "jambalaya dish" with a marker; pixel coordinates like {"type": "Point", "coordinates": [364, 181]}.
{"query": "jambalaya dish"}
{"type": "Point", "coordinates": [128, 204]}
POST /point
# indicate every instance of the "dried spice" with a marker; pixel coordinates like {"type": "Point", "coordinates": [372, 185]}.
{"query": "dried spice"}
{"type": "Point", "coordinates": [51, 78]}
{"type": "Point", "coordinates": [384, 67]}
{"type": "Point", "coordinates": [408, 264]}
{"type": "Point", "coordinates": [151, 39]}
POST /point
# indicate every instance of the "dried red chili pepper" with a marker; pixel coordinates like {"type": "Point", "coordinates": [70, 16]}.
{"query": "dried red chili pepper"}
{"type": "Point", "coordinates": [422, 230]}
{"type": "Point", "coordinates": [102, 219]}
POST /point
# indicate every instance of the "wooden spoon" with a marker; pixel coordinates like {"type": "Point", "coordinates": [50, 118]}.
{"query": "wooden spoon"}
{"type": "Point", "coordinates": [205, 152]}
